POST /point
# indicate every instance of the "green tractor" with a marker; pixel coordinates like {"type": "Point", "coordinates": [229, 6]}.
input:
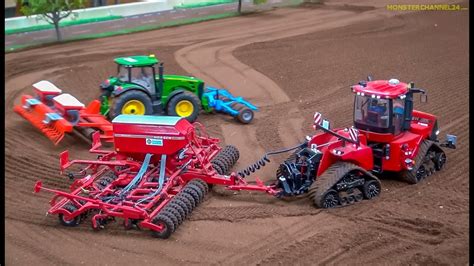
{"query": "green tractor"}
{"type": "Point", "coordinates": [138, 90]}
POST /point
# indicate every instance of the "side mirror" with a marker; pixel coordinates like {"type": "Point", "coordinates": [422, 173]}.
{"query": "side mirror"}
{"type": "Point", "coordinates": [424, 98]}
{"type": "Point", "coordinates": [369, 78]}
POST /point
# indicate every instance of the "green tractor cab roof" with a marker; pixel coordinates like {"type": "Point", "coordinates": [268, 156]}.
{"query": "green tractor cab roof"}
{"type": "Point", "coordinates": [137, 60]}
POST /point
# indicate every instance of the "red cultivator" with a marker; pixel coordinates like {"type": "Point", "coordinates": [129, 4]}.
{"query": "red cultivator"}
{"type": "Point", "coordinates": [56, 113]}
{"type": "Point", "coordinates": [158, 173]}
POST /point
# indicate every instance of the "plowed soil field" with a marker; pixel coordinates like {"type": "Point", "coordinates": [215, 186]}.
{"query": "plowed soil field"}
{"type": "Point", "coordinates": [290, 62]}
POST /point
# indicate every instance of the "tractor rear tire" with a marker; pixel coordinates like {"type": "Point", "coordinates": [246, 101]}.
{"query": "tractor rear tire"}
{"type": "Point", "coordinates": [184, 97]}
{"type": "Point", "coordinates": [245, 116]}
{"type": "Point", "coordinates": [119, 102]}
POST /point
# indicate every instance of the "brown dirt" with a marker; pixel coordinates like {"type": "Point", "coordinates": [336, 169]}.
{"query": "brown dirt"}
{"type": "Point", "coordinates": [291, 62]}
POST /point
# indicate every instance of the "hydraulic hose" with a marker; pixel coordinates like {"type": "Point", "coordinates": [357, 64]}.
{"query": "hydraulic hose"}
{"type": "Point", "coordinates": [252, 168]}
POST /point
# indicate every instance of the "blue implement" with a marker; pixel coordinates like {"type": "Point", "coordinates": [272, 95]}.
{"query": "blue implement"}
{"type": "Point", "coordinates": [221, 100]}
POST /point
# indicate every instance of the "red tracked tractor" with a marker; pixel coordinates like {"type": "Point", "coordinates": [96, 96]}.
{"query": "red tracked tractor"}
{"type": "Point", "coordinates": [339, 167]}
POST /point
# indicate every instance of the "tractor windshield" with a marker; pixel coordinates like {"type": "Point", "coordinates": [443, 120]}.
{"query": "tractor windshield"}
{"type": "Point", "coordinates": [372, 113]}
{"type": "Point", "coordinates": [143, 76]}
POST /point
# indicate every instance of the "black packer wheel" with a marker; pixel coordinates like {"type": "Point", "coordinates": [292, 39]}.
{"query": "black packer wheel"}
{"type": "Point", "coordinates": [167, 225]}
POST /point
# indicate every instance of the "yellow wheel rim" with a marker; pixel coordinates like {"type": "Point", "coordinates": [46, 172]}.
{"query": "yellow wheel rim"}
{"type": "Point", "coordinates": [184, 108]}
{"type": "Point", "coordinates": [133, 107]}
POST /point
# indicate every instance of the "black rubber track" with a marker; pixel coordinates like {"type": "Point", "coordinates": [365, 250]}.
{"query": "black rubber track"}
{"type": "Point", "coordinates": [410, 176]}
{"type": "Point", "coordinates": [330, 177]}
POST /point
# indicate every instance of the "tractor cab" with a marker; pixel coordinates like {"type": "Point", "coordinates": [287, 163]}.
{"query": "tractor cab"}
{"type": "Point", "coordinates": [383, 106]}
{"type": "Point", "coordinates": [138, 70]}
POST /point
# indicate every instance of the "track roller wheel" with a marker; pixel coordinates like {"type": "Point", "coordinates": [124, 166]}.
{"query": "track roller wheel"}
{"type": "Point", "coordinates": [173, 218]}
{"type": "Point", "coordinates": [330, 199]}
{"type": "Point", "coordinates": [167, 225]}
{"type": "Point", "coordinates": [439, 160]}
{"type": "Point", "coordinates": [69, 222]}
{"type": "Point", "coordinates": [178, 211]}
{"type": "Point", "coordinates": [371, 189]}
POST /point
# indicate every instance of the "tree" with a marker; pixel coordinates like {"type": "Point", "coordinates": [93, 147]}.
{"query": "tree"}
{"type": "Point", "coordinates": [52, 11]}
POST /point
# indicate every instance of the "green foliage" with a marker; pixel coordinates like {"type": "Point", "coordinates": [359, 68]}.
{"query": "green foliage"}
{"type": "Point", "coordinates": [52, 10]}
{"type": "Point", "coordinates": [259, 2]}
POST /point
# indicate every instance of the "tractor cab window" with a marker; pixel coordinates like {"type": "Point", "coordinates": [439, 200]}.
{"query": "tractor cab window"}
{"type": "Point", "coordinates": [398, 115]}
{"type": "Point", "coordinates": [123, 73]}
{"type": "Point", "coordinates": [372, 112]}
{"type": "Point", "coordinates": [143, 76]}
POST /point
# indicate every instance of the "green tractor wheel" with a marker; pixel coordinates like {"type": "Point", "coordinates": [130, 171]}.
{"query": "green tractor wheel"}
{"type": "Point", "coordinates": [131, 103]}
{"type": "Point", "coordinates": [186, 105]}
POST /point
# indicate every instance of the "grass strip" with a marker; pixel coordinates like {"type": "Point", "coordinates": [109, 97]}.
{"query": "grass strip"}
{"type": "Point", "coordinates": [204, 4]}
{"type": "Point", "coordinates": [174, 23]}
{"type": "Point", "coordinates": [61, 24]}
